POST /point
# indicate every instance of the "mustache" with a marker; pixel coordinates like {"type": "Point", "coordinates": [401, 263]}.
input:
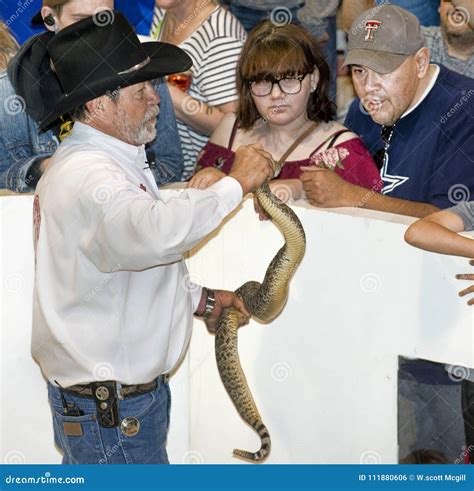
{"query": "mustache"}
{"type": "Point", "coordinates": [152, 113]}
{"type": "Point", "coordinates": [372, 100]}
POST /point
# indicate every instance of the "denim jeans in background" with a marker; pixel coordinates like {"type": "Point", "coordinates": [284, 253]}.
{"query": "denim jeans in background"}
{"type": "Point", "coordinates": [22, 144]}
{"type": "Point", "coordinates": [425, 10]}
{"type": "Point", "coordinates": [99, 445]}
{"type": "Point", "coordinates": [329, 49]}
{"type": "Point", "coordinates": [429, 410]}
{"type": "Point", "coordinates": [249, 18]}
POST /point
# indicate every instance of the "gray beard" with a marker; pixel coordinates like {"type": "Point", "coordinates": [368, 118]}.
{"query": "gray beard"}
{"type": "Point", "coordinates": [461, 42]}
{"type": "Point", "coordinates": [145, 133]}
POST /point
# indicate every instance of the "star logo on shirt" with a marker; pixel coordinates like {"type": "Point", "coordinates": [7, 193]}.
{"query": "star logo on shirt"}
{"type": "Point", "coordinates": [391, 182]}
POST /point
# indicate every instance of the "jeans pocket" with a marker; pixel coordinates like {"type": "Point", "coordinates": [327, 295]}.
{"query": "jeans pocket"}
{"type": "Point", "coordinates": [79, 438]}
{"type": "Point", "coordinates": [148, 446]}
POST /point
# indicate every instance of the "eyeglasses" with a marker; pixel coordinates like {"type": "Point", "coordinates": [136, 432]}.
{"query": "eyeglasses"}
{"type": "Point", "coordinates": [288, 85]}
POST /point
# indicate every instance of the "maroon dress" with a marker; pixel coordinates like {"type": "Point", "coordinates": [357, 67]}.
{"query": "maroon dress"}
{"type": "Point", "coordinates": [359, 167]}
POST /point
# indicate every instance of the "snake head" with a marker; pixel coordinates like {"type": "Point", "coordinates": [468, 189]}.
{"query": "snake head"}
{"type": "Point", "coordinates": [276, 167]}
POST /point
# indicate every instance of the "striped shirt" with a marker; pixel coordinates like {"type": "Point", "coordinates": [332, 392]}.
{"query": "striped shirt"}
{"type": "Point", "coordinates": [214, 48]}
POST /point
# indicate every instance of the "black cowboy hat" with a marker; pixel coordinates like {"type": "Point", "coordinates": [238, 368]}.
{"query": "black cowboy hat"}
{"type": "Point", "coordinates": [101, 54]}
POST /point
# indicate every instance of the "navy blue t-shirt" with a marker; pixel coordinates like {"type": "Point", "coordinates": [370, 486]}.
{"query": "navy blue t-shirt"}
{"type": "Point", "coordinates": [431, 154]}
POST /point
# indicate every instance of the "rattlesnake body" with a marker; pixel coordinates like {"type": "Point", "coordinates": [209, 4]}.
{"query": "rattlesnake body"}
{"type": "Point", "coordinates": [264, 301]}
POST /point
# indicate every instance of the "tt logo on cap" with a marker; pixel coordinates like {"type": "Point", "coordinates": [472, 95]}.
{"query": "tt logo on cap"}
{"type": "Point", "coordinates": [371, 26]}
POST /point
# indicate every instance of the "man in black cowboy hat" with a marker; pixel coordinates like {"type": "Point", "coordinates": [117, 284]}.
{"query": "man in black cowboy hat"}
{"type": "Point", "coordinates": [113, 303]}
{"type": "Point", "coordinates": [24, 151]}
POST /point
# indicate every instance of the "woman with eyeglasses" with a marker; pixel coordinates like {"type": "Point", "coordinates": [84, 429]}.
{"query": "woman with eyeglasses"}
{"type": "Point", "coordinates": [284, 106]}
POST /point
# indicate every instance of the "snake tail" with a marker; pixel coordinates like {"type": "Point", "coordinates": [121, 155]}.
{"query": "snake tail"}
{"type": "Point", "coordinates": [264, 301]}
{"type": "Point", "coordinates": [264, 451]}
{"type": "Point", "coordinates": [236, 385]}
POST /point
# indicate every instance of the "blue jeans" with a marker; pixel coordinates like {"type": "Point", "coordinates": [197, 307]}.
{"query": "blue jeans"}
{"type": "Point", "coordinates": [22, 144]}
{"type": "Point", "coordinates": [329, 49]}
{"type": "Point", "coordinates": [429, 412]}
{"type": "Point", "coordinates": [99, 445]}
{"type": "Point", "coordinates": [249, 18]}
{"type": "Point", "coordinates": [425, 10]}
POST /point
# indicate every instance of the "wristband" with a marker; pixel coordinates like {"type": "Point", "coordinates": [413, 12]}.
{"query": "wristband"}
{"type": "Point", "coordinates": [210, 304]}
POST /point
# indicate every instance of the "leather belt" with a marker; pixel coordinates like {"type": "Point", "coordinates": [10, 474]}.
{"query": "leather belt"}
{"type": "Point", "coordinates": [89, 390]}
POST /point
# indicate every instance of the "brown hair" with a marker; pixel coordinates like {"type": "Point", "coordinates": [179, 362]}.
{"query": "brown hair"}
{"type": "Point", "coordinates": [8, 46]}
{"type": "Point", "coordinates": [274, 51]}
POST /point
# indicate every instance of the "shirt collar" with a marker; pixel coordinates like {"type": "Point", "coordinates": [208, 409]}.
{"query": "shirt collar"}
{"type": "Point", "coordinates": [118, 149]}
{"type": "Point", "coordinates": [425, 93]}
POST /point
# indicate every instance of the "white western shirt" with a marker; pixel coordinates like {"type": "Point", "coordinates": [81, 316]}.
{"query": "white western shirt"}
{"type": "Point", "coordinates": [112, 298]}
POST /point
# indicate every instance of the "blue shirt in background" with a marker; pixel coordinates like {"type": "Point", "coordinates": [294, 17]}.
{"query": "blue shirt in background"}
{"type": "Point", "coordinates": [138, 12]}
{"type": "Point", "coordinates": [425, 10]}
{"type": "Point", "coordinates": [17, 15]}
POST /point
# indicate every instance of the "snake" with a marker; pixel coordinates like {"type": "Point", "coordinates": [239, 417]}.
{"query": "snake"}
{"type": "Point", "coordinates": [264, 301]}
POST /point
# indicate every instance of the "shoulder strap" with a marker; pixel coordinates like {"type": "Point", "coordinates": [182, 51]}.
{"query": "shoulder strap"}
{"type": "Point", "coordinates": [336, 135]}
{"type": "Point", "coordinates": [298, 140]}
{"type": "Point", "coordinates": [331, 139]}
{"type": "Point", "coordinates": [232, 134]}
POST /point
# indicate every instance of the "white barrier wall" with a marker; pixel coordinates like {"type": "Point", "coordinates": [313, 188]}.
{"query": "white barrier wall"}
{"type": "Point", "coordinates": [324, 374]}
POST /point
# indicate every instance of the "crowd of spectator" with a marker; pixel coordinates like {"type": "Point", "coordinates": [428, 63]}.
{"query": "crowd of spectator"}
{"type": "Point", "coordinates": [264, 74]}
